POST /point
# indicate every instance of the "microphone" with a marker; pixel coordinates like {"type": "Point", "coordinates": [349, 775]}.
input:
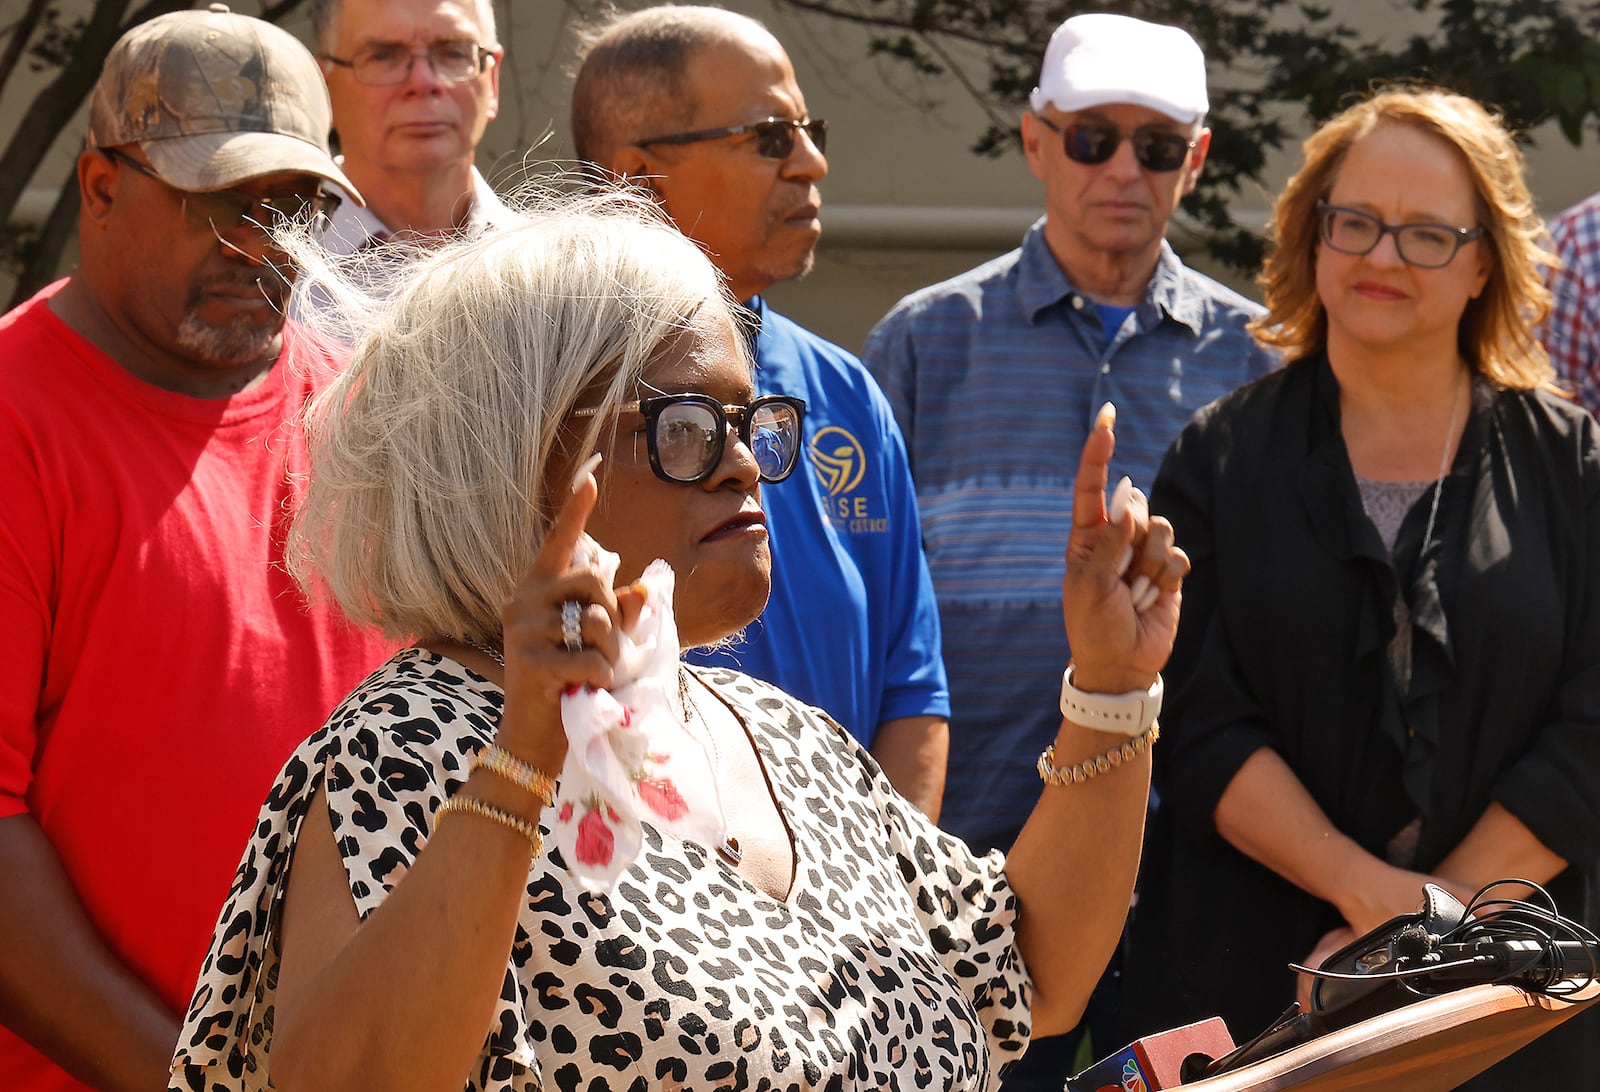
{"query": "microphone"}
{"type": "Point", "coordinates": [1156, 1061]}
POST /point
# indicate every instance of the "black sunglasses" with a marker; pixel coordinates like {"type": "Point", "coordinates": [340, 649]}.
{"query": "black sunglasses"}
{"type": "Point", "coordinates": [774, 136]}
{"type": "Point", "coordinates": [687, 432]}
{"type": "Point", "coordinates": [224, 210]}
{"type": "Point", "coordinates": [1094, 142]}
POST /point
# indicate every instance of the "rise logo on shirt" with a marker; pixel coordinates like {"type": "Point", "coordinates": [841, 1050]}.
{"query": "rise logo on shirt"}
{"type": "Point", "coordinates": [840, 463]}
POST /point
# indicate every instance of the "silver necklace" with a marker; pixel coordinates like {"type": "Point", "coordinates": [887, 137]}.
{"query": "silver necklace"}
{"type": "Point", "coordinates": [729, 849]}
{"type": "Point", "coordinates": [1444, 469]}
{"type": "Point", "coordinates": [490, 651]}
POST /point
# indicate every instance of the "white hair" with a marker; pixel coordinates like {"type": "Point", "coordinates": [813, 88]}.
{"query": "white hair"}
{"type": "Point", "coordinates": [430, 452]}
{"type": "Point", "coordinates": [324, 16]}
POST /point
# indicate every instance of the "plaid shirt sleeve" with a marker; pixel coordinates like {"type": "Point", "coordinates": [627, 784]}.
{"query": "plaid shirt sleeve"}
{"type": "Point", "coordinates": [1572, 332]}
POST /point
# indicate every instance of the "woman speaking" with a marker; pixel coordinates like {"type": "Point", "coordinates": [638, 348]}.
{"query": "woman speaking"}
{"type": "Point", "coordinates": [398, 920]}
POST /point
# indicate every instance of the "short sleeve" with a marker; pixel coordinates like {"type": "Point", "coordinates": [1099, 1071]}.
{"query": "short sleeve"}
{"type": "Point", "coordinates": [27, 574]}
{"type": "Point", "coordinates": [965, 904]}
{"type": "Point", "coordinates": [388, 758]}
{"type": "Point", "coordinates": [890, 359]}
{"type": "Point", "coordinates": [408, 749]}
{"type": "Point", "coordinates": [914, 675]}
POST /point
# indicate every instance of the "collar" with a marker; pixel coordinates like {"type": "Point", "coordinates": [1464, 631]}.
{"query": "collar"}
{"type": "Point", "coordinates": [354, 227]}
{"type": "Point", "coordinates": [1042, 284]}
{"type": "Point", "coordinates": [750, 315]}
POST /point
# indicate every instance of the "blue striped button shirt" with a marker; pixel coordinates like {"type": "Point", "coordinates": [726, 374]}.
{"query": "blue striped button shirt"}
{"type": "Point", "coordinates": [995, 377]}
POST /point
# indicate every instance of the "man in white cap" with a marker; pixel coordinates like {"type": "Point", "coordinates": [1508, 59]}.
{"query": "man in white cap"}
{"type": "Point", "coordinates": [159, 663]}
{"type": "Point", "coordinates": [996, 375]}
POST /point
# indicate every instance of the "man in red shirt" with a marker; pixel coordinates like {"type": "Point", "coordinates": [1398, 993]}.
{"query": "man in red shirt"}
{"type": "Point", "coordinates": [158, 664]}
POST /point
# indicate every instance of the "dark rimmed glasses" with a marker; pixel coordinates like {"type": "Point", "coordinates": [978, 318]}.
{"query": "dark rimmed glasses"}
{"type": "Point", "coordinates": [1427, 246]}
{"type": "Point", "coordinates": [686, 433]}
{"type": "Point", "coordinates": [224, 210]}
{"type": "Point", "coordinates": [775, 137]}
{"type": "Point", "coordinates": [1094, 142]}
{"type": "Point", "coordinates": [388, 64]}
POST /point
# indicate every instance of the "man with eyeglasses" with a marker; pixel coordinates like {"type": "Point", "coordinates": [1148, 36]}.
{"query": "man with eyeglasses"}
{"type": "Point", "coordinates": [414, 83]}
{"type": "Point", "coordinates": [701, 106]}
{"type": "Point", "coordinates": [996, 376]}
{"type": "Point", "coordinates": [159, 664]}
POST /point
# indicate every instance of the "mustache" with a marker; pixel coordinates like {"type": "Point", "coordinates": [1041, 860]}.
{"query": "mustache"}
{"type": "Point", "coordinates": [268, 282]}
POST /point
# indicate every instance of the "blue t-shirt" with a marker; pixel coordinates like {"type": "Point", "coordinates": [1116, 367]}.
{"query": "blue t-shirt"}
{"type": "Point", "coordinates": [1112, 316]}
{"type": "Point", "coordinates": [995, 377]}
{"type": "Point", "coordinates": [852, 626]}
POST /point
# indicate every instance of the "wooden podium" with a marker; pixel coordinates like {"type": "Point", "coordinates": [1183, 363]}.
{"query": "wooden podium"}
{"type": "Point", "coordinates": [1430, 1045]}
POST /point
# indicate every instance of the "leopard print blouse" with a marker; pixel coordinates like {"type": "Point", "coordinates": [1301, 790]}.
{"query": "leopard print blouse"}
{"type": "Point", "coordinates": [892, 963]}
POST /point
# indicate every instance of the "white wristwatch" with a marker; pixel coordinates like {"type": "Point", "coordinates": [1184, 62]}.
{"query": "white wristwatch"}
{"type": "Point", "coordinates": [1127, 714]}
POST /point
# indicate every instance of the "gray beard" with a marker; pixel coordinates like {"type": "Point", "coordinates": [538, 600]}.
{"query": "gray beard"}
{"type": "Point", "coordinates": [791, 272]}
{"type": "Point", "coordinates": [238, 342]}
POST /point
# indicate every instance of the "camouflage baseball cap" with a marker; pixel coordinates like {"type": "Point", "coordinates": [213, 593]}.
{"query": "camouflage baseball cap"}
{"type": "Point", "coordinates": [215, 99]}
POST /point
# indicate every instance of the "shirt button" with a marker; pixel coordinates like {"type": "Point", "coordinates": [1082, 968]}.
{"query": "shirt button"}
{"type": "Point", "coordinates": [1077, 303]}
{"type": "Point", "coordinates": [1105, 369]}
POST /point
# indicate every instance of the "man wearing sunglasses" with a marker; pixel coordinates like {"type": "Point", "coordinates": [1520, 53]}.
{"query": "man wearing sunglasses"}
{"type": "Point", "coordinates": [701, 106]}
{"type": "Point", "coordinates": [996, 376]}
{"type": "Point", "coordinates": [159, 664]}
{"type": "Point", "coordinates": [414, 84]}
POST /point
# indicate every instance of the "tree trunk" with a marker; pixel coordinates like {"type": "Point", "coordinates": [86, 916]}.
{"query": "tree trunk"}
{"type": "Point", "coordinates": [44, 253]}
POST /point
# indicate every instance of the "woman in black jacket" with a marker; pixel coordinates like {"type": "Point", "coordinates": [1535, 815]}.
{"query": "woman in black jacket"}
{"type": "Point", "coordinates": [1388, 669]}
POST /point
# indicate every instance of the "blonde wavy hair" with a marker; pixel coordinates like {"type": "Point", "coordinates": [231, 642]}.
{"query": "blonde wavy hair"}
{"type": "Point", "coordinates": [429, 454]}
{"type": "Point", "coordinates": [1497, 329]}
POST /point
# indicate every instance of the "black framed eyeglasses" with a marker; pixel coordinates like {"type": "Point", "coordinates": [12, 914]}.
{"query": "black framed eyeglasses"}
{"type": "Point", "coordinates": [224, 210]}
{"type": "Point", "coordinates": [1094, 142]}
{"type": "Point", "coordinates": [389, 63]}
{"type": "Point", "coordinates": [1427, 246]}
{"type": "Point", "coordinates": [775, 137]}
{"type": "Point", "coordinates": [686, 433]}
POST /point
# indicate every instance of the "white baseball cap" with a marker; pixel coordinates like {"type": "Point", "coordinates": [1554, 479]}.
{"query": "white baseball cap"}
{"type": "Point", "coordinates": [1095, 60]}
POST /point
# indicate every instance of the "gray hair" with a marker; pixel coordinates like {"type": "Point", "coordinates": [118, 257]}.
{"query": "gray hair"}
{"type": "Point", "coordinates": [629, 83]}
{"type": "Point", "coordinates": [430, 451]}
{"type": "Point", "coordinates": [324, 15]}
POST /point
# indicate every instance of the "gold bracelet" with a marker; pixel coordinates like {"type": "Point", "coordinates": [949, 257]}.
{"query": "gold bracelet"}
{"type": "Point", "coordinates": [498, 760]}
{"type": "Point", "coordinates": [471, 805]}
{"type": "Point", "coordinates": [1091, 768]}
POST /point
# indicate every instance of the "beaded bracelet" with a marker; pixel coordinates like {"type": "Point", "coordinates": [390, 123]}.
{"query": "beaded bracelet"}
{"type": "Point", "coordinates": [471, 805]}
{"type": "Point", "coordinates": [1091, 768]}
{"type": "Point", "coordinates": [500, 761]}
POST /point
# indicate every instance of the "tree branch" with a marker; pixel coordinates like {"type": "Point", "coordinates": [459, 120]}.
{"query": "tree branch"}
{"type": "Point", "coordinates": [44, 252]}
{"type": "Point", "coordinates": [21, 31]}
{"type": "Point", "coordinates": [53, 107]}
{"type": "Point", "coordinates": [890, 22]}
{"type": "Point", "coordinates": [273, 12]}
{"type": "Point", "coordinates": [996, 118]}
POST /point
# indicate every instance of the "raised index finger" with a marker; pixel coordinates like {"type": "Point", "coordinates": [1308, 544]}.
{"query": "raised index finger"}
{"type": "Point", "coordinates": [1094, 470]}
{"type": "Point", "coordinates": [555, 555]}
